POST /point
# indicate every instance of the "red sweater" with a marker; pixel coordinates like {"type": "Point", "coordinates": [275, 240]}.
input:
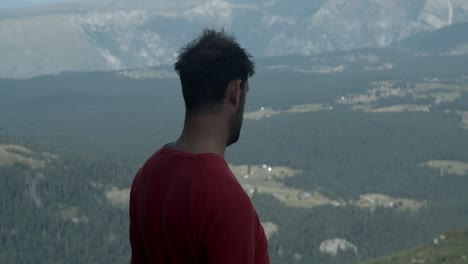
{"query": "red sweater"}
{"type": "Point", "coordinates": [190, 208]}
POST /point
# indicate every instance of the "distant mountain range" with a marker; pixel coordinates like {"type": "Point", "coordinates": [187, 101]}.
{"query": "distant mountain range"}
{"type": "Point", "coordinates": [109, 35]}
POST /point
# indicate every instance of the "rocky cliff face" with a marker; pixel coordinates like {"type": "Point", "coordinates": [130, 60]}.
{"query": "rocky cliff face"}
{"type": "Point", "coordinates": [128, 34]}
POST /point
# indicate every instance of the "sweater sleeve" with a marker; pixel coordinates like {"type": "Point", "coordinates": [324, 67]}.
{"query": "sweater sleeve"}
{"type": "Point", "coordinates": [232, 232]}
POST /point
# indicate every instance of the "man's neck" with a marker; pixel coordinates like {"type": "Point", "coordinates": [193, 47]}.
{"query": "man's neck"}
{"type": "Point", "coordinates": [203, 134]}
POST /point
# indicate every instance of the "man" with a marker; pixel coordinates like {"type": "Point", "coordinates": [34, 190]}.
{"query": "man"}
{"type": "Point", "coordinates": [186, 206]}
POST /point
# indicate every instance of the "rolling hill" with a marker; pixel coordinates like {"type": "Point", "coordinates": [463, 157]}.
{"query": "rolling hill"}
{"type": "Point", "coordinates": [448, 248]}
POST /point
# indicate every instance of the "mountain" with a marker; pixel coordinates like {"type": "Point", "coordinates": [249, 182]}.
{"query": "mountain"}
{"type": "Point", "coordinates": [451, 40]}
{"type": "Point", "coordinates": [109, 35]}
{"type": "Point", "coordinates": [22, 3]}
{"type": "Point", "coordinates": [449, 248]}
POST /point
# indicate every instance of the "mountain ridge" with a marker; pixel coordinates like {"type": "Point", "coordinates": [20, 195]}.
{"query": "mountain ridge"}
{"type": "Point", "coordinates": [110, 35]}
{"type": "Point", "coordinates": [445, 40]}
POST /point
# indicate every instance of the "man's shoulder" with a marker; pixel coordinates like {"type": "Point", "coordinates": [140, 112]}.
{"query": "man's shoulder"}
{"type": "Point", "coordinates": [220, 185]}
{"type": "Point", "coordinates": [214, 170]}
{"type": "Point", "coordinates": [168, 158]}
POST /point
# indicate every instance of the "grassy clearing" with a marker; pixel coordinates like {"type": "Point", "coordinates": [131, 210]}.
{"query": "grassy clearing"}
{"type": "Point", "coordinates": [440, 92]}
{"type": "Point", "coordinates": [424, 87]}
{"type": "Point", "coordinates": [304, 108]}
{"type": "Point", "coordinates": [11, 154]}
{"type": "Point", "coordinates": [374, 200]}
{"type": "Point", "coordinates": [264, 112]}
{"type": "Point", "coordinates": [447, 167]}
{"type": "Point", "coordinates": [435, 90]}
{"type": "Point", "coordinates": [403, 108]}
{"type": "Point", "coordinates": [267, 112]}
{"type": "Point", "coordinates": [393, 108]}
{"type": "Point", "coordinates": [267, 179]}
{"type": "Point", "coordinates": [446, 97]}
{"type": "Point", "coordinates": [263, 172]}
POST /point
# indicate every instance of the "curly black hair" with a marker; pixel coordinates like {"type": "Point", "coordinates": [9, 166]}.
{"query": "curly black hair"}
{"type": "Point", "coordinates": [207, 65]}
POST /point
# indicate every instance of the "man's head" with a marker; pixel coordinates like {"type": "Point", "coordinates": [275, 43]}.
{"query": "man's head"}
{"type": "Point", "coordinates": [214, 72]}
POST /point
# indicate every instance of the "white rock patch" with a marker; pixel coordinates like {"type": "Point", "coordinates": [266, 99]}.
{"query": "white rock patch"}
{"type": "Point", "coordinates": [334, 246]}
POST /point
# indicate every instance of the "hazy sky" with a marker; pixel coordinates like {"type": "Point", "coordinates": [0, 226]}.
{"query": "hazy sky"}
{"type": "Point", "coordinates": [21, 3]}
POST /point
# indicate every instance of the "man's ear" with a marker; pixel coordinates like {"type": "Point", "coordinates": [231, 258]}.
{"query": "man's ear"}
{"type": "Point", "coordinates": [234, 92]}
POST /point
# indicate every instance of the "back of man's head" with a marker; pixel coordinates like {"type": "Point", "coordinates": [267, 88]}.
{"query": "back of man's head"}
{"type": "Point", "coordinates": [207, 65]}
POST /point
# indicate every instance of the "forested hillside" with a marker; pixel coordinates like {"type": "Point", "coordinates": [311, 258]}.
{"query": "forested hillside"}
{"type": "Point", "coordinates": [347, 156]}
